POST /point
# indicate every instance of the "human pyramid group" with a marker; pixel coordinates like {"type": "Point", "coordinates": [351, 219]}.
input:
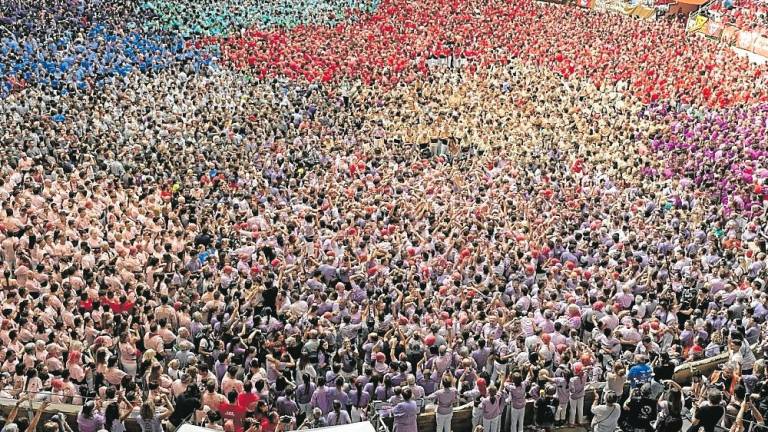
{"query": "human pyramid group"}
{"type": "Point", "coordinates": [261, 224]}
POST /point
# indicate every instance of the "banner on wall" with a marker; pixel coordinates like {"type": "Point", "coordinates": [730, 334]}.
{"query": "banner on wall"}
{"type": "Point", "coordinates": [746, 39]}
{"type": "Point", "coordinates": [713, 29]}
{"type": "Point", "coordinates": [760, 46]}
{"type": "Point", "coordinates": [640, 11]}
{"type": "Point", "coordinates": [729, 34]}
{"type": "Point", "coordinates": [585, 3]}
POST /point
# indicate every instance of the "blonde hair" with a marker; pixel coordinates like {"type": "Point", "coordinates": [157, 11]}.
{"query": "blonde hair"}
{"type": "Point", "coordinates": [147, 411]}
{"type": "Point", "coordinates": [149, 354]}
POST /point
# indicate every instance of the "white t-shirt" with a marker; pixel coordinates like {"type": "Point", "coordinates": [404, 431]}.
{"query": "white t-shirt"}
{"type": "Point", "coordinates": [606, 417]}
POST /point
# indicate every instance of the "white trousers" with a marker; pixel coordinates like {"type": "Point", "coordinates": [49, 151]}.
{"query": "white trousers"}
{"type": "Point", "coordinates": [517, 419]}
{"type": "Point", "coordinates": [443, 422]}
{"type": "Point", "coordinates": [477, 416]}
{"type": "Point", "coordinates": [560, 413]}
{"type": "Point", "coordinates": [491, 425]}
{"type": "Point", "coordinates": [306, 409]}
{"type": "Point", "coordinates": [577, 410]}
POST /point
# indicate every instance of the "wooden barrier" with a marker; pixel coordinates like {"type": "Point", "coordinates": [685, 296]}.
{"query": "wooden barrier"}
{"type": "Point", "coordinates": [461, 421]}
{"type": "Point", "coordinates": [462, 416]}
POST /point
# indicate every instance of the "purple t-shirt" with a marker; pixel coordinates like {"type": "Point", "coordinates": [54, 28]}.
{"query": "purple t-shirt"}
{"type": "Point", "coordinates": [405, 414]}
{"type": "Point", "coordinates": [90, 424]}
{"type": "Point", "coordinates": [444, 398]}
{"type": "Point", "coordinates": [491, 407]}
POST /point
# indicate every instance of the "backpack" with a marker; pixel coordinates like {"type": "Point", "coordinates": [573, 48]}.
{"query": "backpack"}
{"type": "Point", "coordinates": [669, 424]}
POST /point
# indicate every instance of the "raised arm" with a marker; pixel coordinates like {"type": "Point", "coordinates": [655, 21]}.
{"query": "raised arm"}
{"type": "Point", "coordinates": [15, 410]}
{"type": "Point", "coordinates": [38, 414]}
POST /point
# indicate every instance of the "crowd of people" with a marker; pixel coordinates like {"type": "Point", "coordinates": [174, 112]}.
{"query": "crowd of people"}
{"type": "Point", "coordinates": [744, 14]}
{"type": "Point", "coordinates": [223, 18]}
{"type": "Point", "coordinates": [446, 203]}
{"type": "Point", "coordinates": [652, 59]}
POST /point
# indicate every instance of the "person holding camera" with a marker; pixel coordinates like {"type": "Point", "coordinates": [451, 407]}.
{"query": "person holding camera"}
{"type": "Point", "coordinates": [750, 412]}
{"type": "Point", "coordinates": [153, 414]}
{"type": "Point", "coordinates": [90, 419]}
{"type": "Point", "coordinates": [605, 416]}
{"type": "Point", "coordinates": [314, 420]}
{"type": "Point", "coordinates": [708, 415]}
{"type": "Point", "coordinates": [670, 408]}
{"type": "Point", "coordinates": [113, 418]}
{"type": "Point", "coordinates": [546, 408]}
{"type": "Point", "coordinates": [639, 410]}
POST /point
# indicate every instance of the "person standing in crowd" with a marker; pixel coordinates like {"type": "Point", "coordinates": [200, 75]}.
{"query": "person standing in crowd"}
{"type": "Point", "coordinates": [152, 415]}
{"type": "Point", "coordinates": [670, 417]}
{"type": "Point", "coordinates": [576, 386]}
{"type": "Point", "coordinates": [707, 415]}
{"type": "Point", "coordinates": [338, 416]}
{"type": "Point", "coordinates": [640, 409]}
{"type": "Point", "coordinates": [90, 418]}
{"type": "Point", "coordinates": [491, 407]}
{"type": "Point", "coordinates": [605, 416]}
{"type": "Point", "coordinates": [293, 204]}
{"type": "Point", "coordinates": [445, 398]}
{"type": "Point", "coordinates": [405, 413]}
{"type": "Point", "coordinates": [114, 420]}
{"type": "Point", "coordinates": [517, 389]}
{"type": "Point", "coordinates": [546, 407]}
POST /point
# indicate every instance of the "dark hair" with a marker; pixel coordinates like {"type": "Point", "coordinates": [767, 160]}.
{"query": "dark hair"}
{"type": "Point", "coordinates": [87, 409]}
{"type": "Point", "coordinates": [675, 399]}
{"type": "Point", "coordinates": [111, 413]}
{"type": "Point", "coordinates": [407, 393]}
{"type": "Point", "coordinates": [715, 396]}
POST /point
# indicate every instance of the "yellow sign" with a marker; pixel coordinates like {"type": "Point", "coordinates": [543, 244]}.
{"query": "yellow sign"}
{"type": "Point", "coordinates": [698, 24]}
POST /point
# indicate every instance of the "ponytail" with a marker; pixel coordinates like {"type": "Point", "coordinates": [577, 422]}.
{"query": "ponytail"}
{"type": "Point", "coordinates": [359, 387]}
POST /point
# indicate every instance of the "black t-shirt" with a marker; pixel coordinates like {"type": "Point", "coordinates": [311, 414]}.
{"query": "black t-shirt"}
{"type": "Point", "coordinates": [664, 371]}
{"type": "Point", "coordinates": [709, 416]}
{"type": "Point", "coordinates": [185, 406]}
{"type": "Point", "coordinates": [641, 413]}
{"type": "Point", "coordinates": [545, 410]}
{"type": "Point", "coordinates": [688, 300]}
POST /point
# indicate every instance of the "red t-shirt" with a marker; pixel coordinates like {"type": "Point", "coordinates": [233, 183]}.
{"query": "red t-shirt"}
{"type": "Point", "coordinates": [87, 305]}
{"type": "Point", "coordinates": [114, 304]}
{"type": "Point", "coordinates": [127, 306]}
{"type": "Point", "coordinates": [247, 400]}
{"type": "Point", "coordinates": [233, 412]}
